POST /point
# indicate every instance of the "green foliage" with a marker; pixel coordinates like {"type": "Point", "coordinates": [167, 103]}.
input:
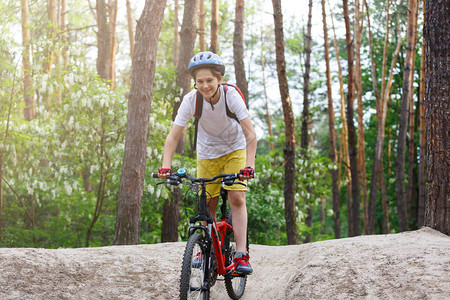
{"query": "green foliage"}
{"type": "Point", "coordinates": [61, 171]}
{"type": "Point", "coordinates": [314, 192]}
{"type": "Point", "coordinates": [58, 167]}
{"type": "Point", "coordinates": [265, 202]}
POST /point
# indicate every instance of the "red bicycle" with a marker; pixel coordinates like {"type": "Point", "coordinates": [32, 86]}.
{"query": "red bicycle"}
{"type": "Point", "coordinates": [210, 253]}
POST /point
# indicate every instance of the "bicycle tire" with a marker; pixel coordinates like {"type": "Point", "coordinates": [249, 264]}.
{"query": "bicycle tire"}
{"type": "Point", "coordinates": [235, 285]}
{"type": "Point", "coordinates": [192, 276]}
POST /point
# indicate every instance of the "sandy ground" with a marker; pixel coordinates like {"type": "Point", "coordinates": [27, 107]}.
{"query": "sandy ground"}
{"type": "Point", "coordinates": [411, 265]}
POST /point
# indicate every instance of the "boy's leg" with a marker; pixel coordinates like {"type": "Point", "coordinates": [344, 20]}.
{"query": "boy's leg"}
{"type": "Point", "coordinates": [212, 203]}
{"type": "Point", "coordinates": [236, 197]}
{"type": "Point", "coordinates": [239, 217]}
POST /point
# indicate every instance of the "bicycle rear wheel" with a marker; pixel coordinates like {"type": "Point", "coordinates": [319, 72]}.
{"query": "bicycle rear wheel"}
{"type": "Point", "coordinates": [235, 285]}
{"type": "Point", "coordinates": [193, 269]}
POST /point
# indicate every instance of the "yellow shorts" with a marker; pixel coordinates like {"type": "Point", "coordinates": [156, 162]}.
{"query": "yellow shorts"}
{"type": "Point", "coordinates": [230, 163]}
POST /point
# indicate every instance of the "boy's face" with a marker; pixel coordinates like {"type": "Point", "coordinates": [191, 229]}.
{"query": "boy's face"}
{"type": "Point", "coordinates": [206, 82]}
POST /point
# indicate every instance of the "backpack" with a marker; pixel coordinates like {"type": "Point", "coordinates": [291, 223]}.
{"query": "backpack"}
{"type": "Point", "coordinates": [199, 107]}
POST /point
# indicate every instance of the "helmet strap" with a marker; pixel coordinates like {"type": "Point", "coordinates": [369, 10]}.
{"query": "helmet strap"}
{"type": "Point", "coordinates": [210, 99]}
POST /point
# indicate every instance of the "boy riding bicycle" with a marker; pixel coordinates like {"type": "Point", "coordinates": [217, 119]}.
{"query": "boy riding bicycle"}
{"type": "Point", "coordinates": [226, 143]}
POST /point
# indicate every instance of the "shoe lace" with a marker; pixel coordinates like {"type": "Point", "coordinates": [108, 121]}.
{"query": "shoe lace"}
{"type": "Point", "coordinates": [241, 260]}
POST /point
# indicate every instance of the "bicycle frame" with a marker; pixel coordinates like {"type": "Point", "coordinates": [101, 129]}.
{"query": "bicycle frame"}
{"type": "Point", "coordinates": [215, 232]}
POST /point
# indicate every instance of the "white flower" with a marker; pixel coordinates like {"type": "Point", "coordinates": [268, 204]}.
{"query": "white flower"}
{"type": "Point", "coordinates": [29, 189]}
{"type": "Point", "coordinates": [68, 188]}
{"type": "Point", "coordinates": [150, 189]}
{"type": "Point", "coordinates": [70, 123]}
{"type": "Point", "coordinates": [50, 89]}
{"type": "Point", "coordinates": [69, 78]}
{"type": "Point", "coordinates": [63, 170]}
{"type": "Point", "coordinates": [43, 186]}
{"type": "Point", "coordinates": [43, 88]}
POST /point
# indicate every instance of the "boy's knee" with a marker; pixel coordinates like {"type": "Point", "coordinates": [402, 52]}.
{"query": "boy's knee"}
{"type": "Point", "coordinates": [236, 198]}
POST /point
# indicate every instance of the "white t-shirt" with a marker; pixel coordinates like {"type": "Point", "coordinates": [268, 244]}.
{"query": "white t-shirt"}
{"type": "Point", "coordinates": [218, 134]}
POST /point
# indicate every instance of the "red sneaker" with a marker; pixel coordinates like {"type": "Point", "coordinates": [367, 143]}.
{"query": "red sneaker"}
{"type": "Point", "coordinates": [242, 265]}
{"type": "Point", "coordinates": [197, 262]}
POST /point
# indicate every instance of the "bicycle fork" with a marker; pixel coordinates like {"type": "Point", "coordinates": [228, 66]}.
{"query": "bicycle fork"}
{"type": "Point", "coordinates": [207, 244]}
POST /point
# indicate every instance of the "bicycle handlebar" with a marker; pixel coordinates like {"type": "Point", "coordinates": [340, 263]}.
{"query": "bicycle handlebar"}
{"type": "Point", "coordinates": [175, 178]}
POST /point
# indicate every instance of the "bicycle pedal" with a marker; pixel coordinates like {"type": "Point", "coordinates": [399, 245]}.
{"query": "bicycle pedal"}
{"type": "Point", "coordinates": [240, 275]}
{"type": "Point", "coordinates": [234, 274]}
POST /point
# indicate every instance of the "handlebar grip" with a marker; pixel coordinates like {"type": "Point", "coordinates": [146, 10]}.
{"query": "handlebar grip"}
{"type": "Point", "coordinates": [155, 175]}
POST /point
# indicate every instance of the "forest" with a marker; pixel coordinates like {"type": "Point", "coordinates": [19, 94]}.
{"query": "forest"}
{"type": "Point", "coordinates": [352, 138]}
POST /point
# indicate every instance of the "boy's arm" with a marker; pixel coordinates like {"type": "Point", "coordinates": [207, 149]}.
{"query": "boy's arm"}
{"type": "Point", "coordinates": [250, 137]}
{"type": "Point", "coordinates": [171, 145]}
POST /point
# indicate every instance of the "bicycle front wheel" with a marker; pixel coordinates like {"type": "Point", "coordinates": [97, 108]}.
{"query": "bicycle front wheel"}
{"type": "Point", "coordinates": [235, 285]}
{"type": "Point", "coordinates": [193, 270]}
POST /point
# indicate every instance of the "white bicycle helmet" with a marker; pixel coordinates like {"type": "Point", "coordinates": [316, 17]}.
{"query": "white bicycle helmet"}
{"type": "Point", "coordinates": [206, 59]}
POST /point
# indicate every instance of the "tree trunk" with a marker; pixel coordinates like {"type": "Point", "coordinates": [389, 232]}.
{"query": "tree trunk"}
{"type": "Point", "coordinates": [437, 99]}
{"type": "Point", "coordinates": [1, 161]}
{"type": "Point", "coordinates": [422, 141]}
{"type": "Point", "coordinates": [238, 50]}
{"type": "Point", "coordinates": [171, 213]}
{"type": "Point", "coordinates": [187, 42]}
{"type": "Point", "coordinates": [380, 136]}
{"type": "Point", "coordinates": [29, 110]}
{"type": "Point", "coordinates": [106, 40]}
{"type": "Point", "coordinates": [52, 23]}
{"type": "Point", "coordinates": [214, 26]}
{"type": "Point", "coordinates": [202, 26]}
{"type": "Point", "coordinates": [306, 118]}
{"type": "Point", "coordinates": [372, 60]}
{"type": "Point", "coordinates": [63, 27]}
{"type": "Point", "coordinates": [344, 133]}
{"type": "Point", "coordinates": [289, 151]}
{"type": "Point", "coordinates": [58, 30]}
{"type": "Point", "coordinates": [1, 193]}
{"type": "Point", "coordinates": [101, 191]}
{"type": "Point", "coordinates": [269, 122]}
{"type": "Point", "coordinates": [402, 201]}
{"type": "Point", "coordinates": [361, 156]}
{"type": "Point", "coordinates": [380, 177]}
{"type": "Point", "coordinates": [175, 34]}
{"type": "Point", "coordinates": [411, 192]}
{"type": "Point", "coordinates": [127, 230]}
{"type": "Point", "coordinates": [381, 116]}
{"type": "Point", "coordinates": [386, 223]}
{"type": "Point", "coordinates": [130, 24]}
{"type": "Point", "coordinates": [352, 149]}
{"type": "Point", "coordinates": [332, 132]}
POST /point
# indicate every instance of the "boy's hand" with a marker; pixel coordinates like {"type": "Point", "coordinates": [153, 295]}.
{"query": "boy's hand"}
{"type": "Point", "coordinates": [164, 172]}
{"type": "Point", "coordinates": [246, 173]}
